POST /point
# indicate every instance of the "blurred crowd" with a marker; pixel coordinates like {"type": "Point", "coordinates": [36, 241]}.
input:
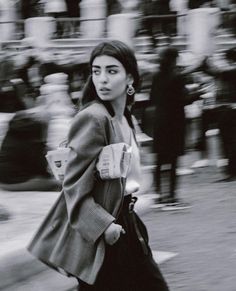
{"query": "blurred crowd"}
{"type": "Point", "coordinates": [37, 101]}
{"type": "Point", "coordinates": [41, 90]}
{"type": "Point", "coordinates": [206, 94]}
{"type": "Point", "coordinates": [40, 93]}
{"type": "Point", "coordinates": [191, 107]}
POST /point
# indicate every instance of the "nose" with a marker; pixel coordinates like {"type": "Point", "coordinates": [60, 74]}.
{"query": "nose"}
{"type": "Point", "coordinates": [103, 77]}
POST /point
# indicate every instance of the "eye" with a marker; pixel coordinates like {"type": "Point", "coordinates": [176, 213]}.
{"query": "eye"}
{"type": "Point", "coordinates": [112, 71]}
{"type": "Point", "coordinates": [95, 72]}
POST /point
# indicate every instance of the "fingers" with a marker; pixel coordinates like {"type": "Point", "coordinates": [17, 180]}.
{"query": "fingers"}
{"type": "Point", "coordinates": [122, 230]}
{"type": "Point", "coordinates": [113, 233]}
{"type": "Point", "coordinates": [117, 235]}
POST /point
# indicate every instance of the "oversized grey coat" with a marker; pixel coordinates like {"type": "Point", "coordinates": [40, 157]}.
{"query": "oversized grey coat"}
{"type": "Point", "coordinates": [71, 235]}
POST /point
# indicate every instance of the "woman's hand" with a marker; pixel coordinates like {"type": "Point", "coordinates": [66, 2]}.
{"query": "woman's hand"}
{"type": "Point", "coordinates": [112, 233]}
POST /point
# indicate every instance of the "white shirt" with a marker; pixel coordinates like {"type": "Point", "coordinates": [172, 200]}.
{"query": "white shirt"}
{"type": "Point", "coordinates": [134, 172]}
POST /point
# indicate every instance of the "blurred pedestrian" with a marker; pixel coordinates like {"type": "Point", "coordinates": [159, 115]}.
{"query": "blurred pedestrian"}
{"type": "Point", "coordinates": [27, 68]}
{"type": "Point", "coordinates": [222, 114]}
{"type": "Point", "coordinates": [23, 166]}
{"type": "Point", "coordinates": [10, 100]}
{"type": "Point", "coordinates": [97, 236]}
{"type": "Point", "coordinates": [169, 96]}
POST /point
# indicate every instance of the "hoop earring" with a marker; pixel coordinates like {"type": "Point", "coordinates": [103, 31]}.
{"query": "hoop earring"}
{"type": "Point", "coordinates": [130, 90]}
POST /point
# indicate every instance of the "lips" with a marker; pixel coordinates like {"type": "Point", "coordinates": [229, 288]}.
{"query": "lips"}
{"type": "Point", "coordinates": [104, 91]}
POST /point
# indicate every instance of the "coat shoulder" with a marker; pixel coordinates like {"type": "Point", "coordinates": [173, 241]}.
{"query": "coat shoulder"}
{"type": "Point", "coordinates": [93, 116]}
{"type": "Point", "coordinates": [94, 110]}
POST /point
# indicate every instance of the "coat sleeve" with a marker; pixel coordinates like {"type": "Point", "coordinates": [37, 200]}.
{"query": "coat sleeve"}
{"type": "Point", "coordinates": [86, 140]}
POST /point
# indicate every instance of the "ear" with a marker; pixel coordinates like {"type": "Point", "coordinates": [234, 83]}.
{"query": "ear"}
{"type": "Point", "coordinates": [130, 79]}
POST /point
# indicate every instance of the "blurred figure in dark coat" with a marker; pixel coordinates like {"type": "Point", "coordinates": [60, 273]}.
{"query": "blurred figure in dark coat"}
{"type": "Point", "coordinates": [169, 96]}
{"type": "Point", "coordinates": [23, 166]}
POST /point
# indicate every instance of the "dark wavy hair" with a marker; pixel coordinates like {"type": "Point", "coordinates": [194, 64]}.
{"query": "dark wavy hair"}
{"type": "Point", "coordinates": [124, 54]}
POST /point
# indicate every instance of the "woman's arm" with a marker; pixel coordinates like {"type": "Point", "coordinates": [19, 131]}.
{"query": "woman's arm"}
{"type": "Point", "coordinates": [86, 140]}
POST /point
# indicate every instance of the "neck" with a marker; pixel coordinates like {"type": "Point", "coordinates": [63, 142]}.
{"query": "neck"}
{"type": "Point", "coordinates": [118, 106]}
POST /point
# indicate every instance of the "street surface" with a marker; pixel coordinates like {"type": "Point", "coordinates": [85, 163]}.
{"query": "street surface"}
{"type": "Point", "coordinates": [203, 236]}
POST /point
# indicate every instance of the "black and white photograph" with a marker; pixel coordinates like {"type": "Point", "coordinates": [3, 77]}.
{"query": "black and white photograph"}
{"type": "Point", "coordinates": [117, 145]}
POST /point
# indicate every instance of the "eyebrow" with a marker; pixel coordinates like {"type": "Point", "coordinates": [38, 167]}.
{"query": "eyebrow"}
{"type": "Point", "coordinates": [110, 66]}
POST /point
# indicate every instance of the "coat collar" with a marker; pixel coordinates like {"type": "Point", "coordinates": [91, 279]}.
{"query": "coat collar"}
{"type": "Point", "coordinates": [127, 114]}
{"type": "Point", "coordinates": [110, 110]}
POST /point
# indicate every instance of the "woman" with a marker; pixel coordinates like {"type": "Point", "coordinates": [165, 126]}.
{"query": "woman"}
{"type": "Point", "coordinates": [92, 231]}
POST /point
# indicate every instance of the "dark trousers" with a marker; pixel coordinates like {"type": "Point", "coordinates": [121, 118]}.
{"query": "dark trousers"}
{"type": "Point", "coordinates": [172, 179]}
{"type": "Point", "coordinates": [227, 125]}
{"type": "Point", "coordinates": [128, 264]}
{"type": "Point", "coordinates": [211, 118]}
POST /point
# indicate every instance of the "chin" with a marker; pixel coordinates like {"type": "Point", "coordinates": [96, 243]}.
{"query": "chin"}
{"type": "Point", "coordinates": [105, 98]}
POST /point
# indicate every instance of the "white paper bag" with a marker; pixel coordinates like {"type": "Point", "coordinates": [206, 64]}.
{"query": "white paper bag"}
{"type": "Point", "coordinates": [114, 161]}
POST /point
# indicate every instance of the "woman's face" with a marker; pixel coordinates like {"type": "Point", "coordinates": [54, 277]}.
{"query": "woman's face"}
{"type": "Point", "coordinates": [109, 78]}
